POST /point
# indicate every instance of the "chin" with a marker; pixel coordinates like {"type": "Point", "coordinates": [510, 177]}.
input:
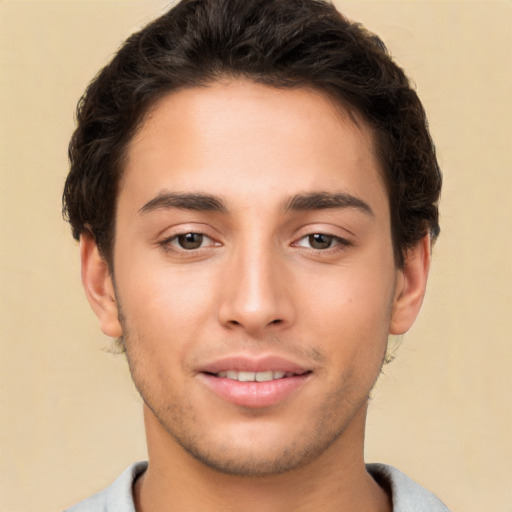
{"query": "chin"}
{"type": "Point", "coordinates": [254, 463]}
{"type": "Point", "coordinates": [257, 447]}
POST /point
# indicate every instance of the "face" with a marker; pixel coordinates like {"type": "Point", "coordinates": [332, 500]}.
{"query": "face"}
{"type": "Point", "coordinates": [254, 274]}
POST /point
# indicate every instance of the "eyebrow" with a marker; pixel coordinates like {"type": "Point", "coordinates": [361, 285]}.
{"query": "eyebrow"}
{"type": "Point", "coordinates": [325, 200]}
{"type": "Point", "coordinates": [189, 201]}
{"type": "Point", "coordinates": [299, 202]}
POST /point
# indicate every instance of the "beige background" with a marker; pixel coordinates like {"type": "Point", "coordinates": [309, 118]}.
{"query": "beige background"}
{"type": "Point", "coordinates": [70, 420]}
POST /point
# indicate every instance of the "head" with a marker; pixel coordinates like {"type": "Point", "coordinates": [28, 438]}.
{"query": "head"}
{"type": "Point", "coordinates": [255, 189]}
{"type": "Point", "coordinates": [283, 44]}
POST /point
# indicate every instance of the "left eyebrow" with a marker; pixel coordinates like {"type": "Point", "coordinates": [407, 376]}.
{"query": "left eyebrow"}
{"type": "Point", "coordinates": [188, 201]}
{"type": "Point", "coordinates": [325, 200]}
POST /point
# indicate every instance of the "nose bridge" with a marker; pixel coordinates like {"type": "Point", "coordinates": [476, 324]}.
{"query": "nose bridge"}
{"type": "Point", "coordinates": [254, 295]}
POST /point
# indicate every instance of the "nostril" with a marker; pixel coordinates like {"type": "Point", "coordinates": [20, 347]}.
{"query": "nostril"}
{"type": "Point", "coordinates": [272, 322]}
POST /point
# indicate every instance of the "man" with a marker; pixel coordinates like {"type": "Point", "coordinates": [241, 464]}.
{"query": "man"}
{"type": "Point", "coordinates": [255, 193]}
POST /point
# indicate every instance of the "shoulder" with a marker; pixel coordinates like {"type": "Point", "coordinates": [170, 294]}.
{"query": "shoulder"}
{"type": "Point", "coordinates": [407, 495]}
{"type": "Point", "coordinates": [115, 498]}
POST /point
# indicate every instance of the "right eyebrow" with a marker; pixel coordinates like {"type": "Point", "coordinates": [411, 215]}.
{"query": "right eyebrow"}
{"type": "Point", "coordinates": [187, 201]}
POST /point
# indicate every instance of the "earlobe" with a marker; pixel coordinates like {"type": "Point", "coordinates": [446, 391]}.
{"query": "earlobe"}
{"type": "Point", "coordinates": [410, 287]}
{"type": "Point", "coordinates": [98, 286]}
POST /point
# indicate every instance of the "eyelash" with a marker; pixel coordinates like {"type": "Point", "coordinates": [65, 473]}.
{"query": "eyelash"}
{"type": "Point", "coordinates": [339, 243]}
{"type": "Point", "coordinates": [168, 246]}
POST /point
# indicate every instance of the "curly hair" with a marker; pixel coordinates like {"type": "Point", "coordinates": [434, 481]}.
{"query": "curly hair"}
{"type": "Point", "coordinates": [280, 43]}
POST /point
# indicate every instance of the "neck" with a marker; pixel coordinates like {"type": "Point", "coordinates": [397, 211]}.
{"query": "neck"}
{"type": "Point", "coordinates": [335, 481]}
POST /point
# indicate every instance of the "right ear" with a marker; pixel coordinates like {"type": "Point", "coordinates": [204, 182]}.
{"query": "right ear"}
{"type": "Point", "coordinates": [98, 286]}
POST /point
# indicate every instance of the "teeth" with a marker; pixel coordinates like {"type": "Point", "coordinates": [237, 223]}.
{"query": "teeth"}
{"type": "Point", "coordinates": [264, 376]}
{"type": "Point", "coordinates": [246, 376]}
{"type": "Point", "coordinates": [253, 376]}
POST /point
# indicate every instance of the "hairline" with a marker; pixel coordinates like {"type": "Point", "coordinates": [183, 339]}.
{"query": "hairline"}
{"type": "Point", "coordinates": [346, 111]}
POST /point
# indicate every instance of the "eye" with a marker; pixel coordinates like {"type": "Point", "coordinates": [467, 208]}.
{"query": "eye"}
{"type": "Point", "coordinates": [188, 241]}
{"type": "Point", "coordinates": [321, 241]}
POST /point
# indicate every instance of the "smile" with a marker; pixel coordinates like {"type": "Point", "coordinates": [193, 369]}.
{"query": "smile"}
{"type": "Point", "coordinates": [244, 376]}
{"type": "Point", "coordinates": [254, 383]}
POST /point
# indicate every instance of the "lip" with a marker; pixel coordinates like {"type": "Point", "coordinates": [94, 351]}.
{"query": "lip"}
{"type": "Point", "coordinates": [254, 394]}
{"type": "Point", "coordinates": [254, 364]}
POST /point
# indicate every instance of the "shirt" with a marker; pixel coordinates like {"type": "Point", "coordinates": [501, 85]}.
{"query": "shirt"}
{"type": "Point", "coordinates": [406, 495]}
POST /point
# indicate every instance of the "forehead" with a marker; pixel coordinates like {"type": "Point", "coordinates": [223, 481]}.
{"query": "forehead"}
{"type": "Point", "coordinates": [240, 139]}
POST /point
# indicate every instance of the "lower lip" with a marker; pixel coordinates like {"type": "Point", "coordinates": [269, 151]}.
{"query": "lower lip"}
{"type": "Point", "coordinates": [254, 394]}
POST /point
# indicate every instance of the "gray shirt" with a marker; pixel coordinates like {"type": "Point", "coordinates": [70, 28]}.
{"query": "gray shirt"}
{"type": "Point", "coordinates": [406, 495]}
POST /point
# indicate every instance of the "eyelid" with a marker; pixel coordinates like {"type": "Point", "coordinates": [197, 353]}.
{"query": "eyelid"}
{"type": "Point", "coordinates": [165, 242]}
{"type": "Point", "coordinates": [340, 241]}
{"type": "Point", "coordinates": [178, 235]}
{"type": "Point", "coordinates": [335, 230]}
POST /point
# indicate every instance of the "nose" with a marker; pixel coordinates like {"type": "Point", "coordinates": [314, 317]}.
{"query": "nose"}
{"type": "Point", "coordinates": [256, 292]}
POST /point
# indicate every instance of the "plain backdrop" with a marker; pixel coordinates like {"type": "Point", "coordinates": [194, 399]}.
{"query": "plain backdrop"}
{"type": "Point", "coordinates": [70, 420]}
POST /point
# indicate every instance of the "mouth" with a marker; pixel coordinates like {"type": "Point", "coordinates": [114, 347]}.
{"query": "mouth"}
{"type": "Point", "coordinates": [262, 376]}
{"type": "Point", "coordinates": [254, 383]}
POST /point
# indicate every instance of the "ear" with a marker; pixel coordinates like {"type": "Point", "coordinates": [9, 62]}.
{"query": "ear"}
{"type": "Point", "coordinates": [98, 286]}
{"type": "Point", "coordinates": [410, 287]}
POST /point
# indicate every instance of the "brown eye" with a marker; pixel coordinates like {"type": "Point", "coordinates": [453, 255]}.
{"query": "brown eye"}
{"type": "Point", "coordinates": [190, 241]}
{"type": "Point", "coordinates": [320, 241]}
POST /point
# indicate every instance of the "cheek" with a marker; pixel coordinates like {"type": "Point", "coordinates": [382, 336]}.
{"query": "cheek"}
{"type": "Point", "coordinates": [351, 316]}
{"type": "Point", "coordinates": [165, 306]}
{"type": "Point", "coordinates": [163, 318]}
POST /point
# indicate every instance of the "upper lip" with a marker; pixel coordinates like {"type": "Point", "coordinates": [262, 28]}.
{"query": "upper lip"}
{"type": "Point", "coordinates": [244, 363]}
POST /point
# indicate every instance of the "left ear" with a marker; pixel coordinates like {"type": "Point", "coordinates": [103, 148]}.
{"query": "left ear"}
{"type": "Point", "coordinates": [410, 287]}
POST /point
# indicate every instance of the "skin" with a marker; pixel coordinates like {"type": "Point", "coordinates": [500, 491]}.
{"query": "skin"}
{"type": "Point", "coordinates": [256, 286]}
